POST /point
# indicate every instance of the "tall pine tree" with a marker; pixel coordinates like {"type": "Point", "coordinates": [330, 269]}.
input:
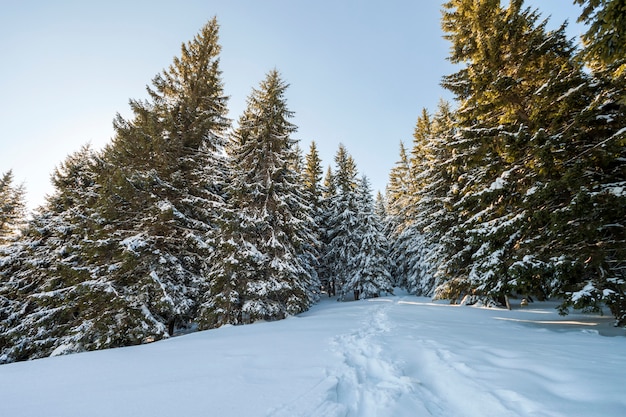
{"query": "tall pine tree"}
{"type": "Point", "coordinates": [53, 300]}
{"type": "Point", "coordinates": [599, 205]}
{"type": "Point", "coordinates": [325, 268]}
{"type": "Point", "coordinates": [119, 254]}
{"type": "Point", "coordinates": [342, 226]}
{"type": "Point", "coordinates": [369, 269]}
{"type": "Point", "coordinates": [311, 176]}
{"type": "Point", "coordinates": [258, 271]}
{"type": "Point", "coordinates": [426, 212]}
{"type": "Point", "coordinates": [167, 172]}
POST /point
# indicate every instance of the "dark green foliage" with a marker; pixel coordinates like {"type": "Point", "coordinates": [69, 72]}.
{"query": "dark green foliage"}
{"type": "Point", "coordinates": [163, 184]}
{"type": "Point", "coordinates": [516, 96]}
{"type": "Point", "coordinates": [312, 177]}
{"type": "Point", "coordinates": [313, 192]}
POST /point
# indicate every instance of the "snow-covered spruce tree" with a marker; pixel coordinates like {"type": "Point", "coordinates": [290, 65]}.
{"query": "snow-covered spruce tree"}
{"type": "Point", "coordinates": [493, 97]}
{"type": "Point", "coordinates": [401, 187]}
{"type": "Point", "coordinates": [12, 207]}
{"type": "Point", "coordinates": [370, 275]}
{"type": "Point", "coordinates": [593, 262]}
{"type": "Point", "coordinates": [399, 195]}
{"type": "Point", "coordinates": [426, 211]}
{"type": "Point", "coordinates": [311, 244]}
{"type": "Point", "coordinates": [257, 271]}
{"type": "Point", "coordinates": [118, 254]}
{"type": "Point", "coordinates": [51, 299]}
{"type": "Point", "coordinates": [325, 269]}
{"type": "Point", "coordinates": [166, 172]}
{"type": "Point", "coordinates": [436, 216]}
{"type": "Point", "coordinates": [519, 96]}
{"type": "Point", "coordinates": [380, 207]}
{"type": "Point", "coordinates": [381, 210]}
{"type": "Point", "coordinates": [407, 240]}
{"type": "Point", "coordinates": [311, 177]}
{"type": "Point", "coordinates": [342, 228]}
{"type": "Point", "coordinates": [312, 180]}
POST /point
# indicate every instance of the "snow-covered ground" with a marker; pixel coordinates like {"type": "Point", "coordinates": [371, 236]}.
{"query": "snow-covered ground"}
{"type": "Point", "coordinates": [392, 356]}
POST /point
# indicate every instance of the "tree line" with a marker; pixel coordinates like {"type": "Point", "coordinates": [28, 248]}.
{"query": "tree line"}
{"type": "Point", "coordinates": [520, 190]}
{"type": "Point", "coordinates": [185, 222]}
{"type": "Point", "coordinates": [182, 222]}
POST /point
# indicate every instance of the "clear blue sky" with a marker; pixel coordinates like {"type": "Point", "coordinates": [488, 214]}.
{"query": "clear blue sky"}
{"type": "Point", "coordinates": [360, 71]}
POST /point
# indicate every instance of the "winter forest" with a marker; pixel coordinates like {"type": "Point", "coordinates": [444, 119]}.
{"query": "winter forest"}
{"type": "Point", "coordinates": [189, 221]}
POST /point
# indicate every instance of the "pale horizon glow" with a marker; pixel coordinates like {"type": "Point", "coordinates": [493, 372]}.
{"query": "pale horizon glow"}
{"type": "Point", "coordinates": [359, 73]}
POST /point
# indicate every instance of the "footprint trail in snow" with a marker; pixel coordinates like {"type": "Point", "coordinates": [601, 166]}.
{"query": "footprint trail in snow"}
{"type": "Point", "coordinates": [366, 383]}
{"type": "Point", "coordinates": [369, 382]}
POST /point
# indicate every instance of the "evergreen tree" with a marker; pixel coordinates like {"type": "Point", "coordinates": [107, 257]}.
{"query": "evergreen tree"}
{"type": "Point", "coordinates": [437, 219]}
{"type": "Point", "coordinates": [166, 175]}
{"type": "Point", "coordinates": [426, 212]}
{"type": "Point", "coordinates": [381, 210]}
{"type": "Point", "coordinates": [258, 271]}
{"type": "Point", "coordinates": [380, 206]}
{"type": "Point", "coordinates": [312, 175]}
{"type": "Point", "coordinates": [595, 269]}
{"type": "Point", "coordinates": [52, 299]}
{"type": "Point", "coordinates": [400, 191]}
{"type": "Point", "coordinates": [329, 188]}
{"type": "Point", "coordinates": [119, 253]}
{"type": "Point", "coordinates": [342, 233]}
{"type": "Point", "coordinates": [407, 240]}
{"type": "Point", "coordinates": [314, 191]}
{"type": "Point", "coordinates": [325, 269]}
{"type": "Point", "coordinates": [515, 94]}
{"type": "Point", "coordinates": [369, 269]}
{"type": "Point", "coordinates": [314, 195]}
{"type": "Point", "coordinates": [12, 207]}
{"type": "Point", "coordinates": [401, 188]}
{"type": "Point", "coordinates": [298, 162]}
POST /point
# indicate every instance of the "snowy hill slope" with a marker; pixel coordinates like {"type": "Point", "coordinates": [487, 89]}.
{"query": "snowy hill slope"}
{"type": "Point", "coordinates": [392, 356]}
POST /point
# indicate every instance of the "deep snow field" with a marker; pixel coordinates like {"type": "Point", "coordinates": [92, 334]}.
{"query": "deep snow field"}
{"type": "Point", "coordinates": [392, 356]}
